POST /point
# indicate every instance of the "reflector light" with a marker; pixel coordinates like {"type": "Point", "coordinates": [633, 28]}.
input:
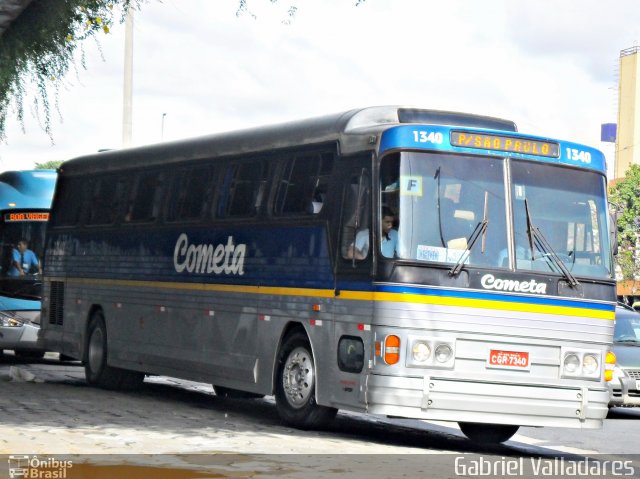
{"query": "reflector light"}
{"type": "Point", "coordinates": [391, 349]}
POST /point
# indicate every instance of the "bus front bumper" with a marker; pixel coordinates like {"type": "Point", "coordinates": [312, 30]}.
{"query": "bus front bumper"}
{"type": "Point", "coordinates": [447, 399]}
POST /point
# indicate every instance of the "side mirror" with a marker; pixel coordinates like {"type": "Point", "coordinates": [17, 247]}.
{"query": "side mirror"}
{"type": "Point", "coordinates": [613, 231]}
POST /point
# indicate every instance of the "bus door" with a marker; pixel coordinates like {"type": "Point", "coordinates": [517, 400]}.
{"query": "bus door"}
{"type": "Point", "coordinates": [353, 304]}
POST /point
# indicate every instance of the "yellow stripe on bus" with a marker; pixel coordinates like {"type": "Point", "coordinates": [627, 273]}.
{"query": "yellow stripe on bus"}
{"type": "Point", "coordinates": [356, 296]}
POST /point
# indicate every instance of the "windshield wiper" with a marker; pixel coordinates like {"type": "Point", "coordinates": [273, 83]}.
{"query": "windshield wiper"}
{"type": "Point", "coordinates": [478, 231]}
{"type": "Point", "coordinates": [537, 239]}
{"type": "Point", "coordinates": [635, 342]}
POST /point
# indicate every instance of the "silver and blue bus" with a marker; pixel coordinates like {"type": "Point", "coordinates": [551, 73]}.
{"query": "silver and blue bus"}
{"type": "Point", "coordinates": [390, 260]}
{"type": "Point", "coordinates": [25, 201]}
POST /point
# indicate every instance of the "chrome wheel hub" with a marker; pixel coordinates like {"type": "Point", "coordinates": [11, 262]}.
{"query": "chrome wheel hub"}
{"type": "Point", "coordinates": [298, 377]}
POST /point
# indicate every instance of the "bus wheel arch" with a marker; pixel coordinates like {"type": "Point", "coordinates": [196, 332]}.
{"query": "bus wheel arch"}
{"type": "Point", "coordinates": [96, 367]}
{"type": "Point", "coordinates": [295, 383]}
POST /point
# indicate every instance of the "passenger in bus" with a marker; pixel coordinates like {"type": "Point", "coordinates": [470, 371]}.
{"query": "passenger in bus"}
{"type": "Point", "coordinates": [388, 245]}
{"type": "Point", "coordinates": [24, 261]}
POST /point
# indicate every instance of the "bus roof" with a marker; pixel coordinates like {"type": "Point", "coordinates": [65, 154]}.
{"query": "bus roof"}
{"type": "Point", "coordinates": [27, 189]}
{"type": "Point", "coordinates": [352, 129]}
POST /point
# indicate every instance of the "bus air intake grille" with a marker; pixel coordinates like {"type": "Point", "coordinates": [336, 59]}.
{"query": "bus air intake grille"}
{"type": "Point", "coordinates": [56, 302]}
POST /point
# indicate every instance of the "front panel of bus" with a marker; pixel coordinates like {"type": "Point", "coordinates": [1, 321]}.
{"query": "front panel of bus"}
{"type": "Point", "coordinates": [494, 291]}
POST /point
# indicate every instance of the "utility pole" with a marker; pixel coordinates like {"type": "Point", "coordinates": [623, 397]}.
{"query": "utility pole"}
{"type": "Point", "coordinates": [127, 99]}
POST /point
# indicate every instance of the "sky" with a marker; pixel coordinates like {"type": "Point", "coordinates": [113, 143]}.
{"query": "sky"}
{"type": "Point", "coordinates": [549, 65]}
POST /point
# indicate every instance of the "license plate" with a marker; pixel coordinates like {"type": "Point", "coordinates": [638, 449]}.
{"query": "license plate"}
{"type": "Point", "coordinates": [499, 358]}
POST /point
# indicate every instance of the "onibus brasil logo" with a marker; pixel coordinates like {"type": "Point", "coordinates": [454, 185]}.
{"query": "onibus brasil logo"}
{"type": "Point", "coordinates": [34, 467]}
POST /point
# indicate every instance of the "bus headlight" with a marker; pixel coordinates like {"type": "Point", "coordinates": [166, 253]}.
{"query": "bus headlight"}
{"type": "Point", "coordinates": [9, 322]}
{"type": "Point", "coordinates": [443, 353]}
{"type": "Point", "coordinates": [571, 363]}
{"type": "Point", "coordinates": [590, 364]}
{"type": "Point", "coordinates": [430, 352]}
{"type": "Point", "coordinates": [581, 363]}
{"type": "Point", "coordinates": [15, 319]}
{"type": "Point", "coordinates": [420, 351]}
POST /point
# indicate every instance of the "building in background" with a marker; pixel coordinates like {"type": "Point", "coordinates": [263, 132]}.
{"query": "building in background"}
{"type": "Point", "coordinates": [628, 134]}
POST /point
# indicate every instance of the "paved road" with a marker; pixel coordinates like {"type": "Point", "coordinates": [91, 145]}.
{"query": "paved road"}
{"type": "Point", "coordinates": [46, 408]}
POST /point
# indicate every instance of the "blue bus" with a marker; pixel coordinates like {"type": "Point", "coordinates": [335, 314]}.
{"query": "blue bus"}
{"type": "Point", "coordinates": [398, 261]}
{"type": "Point", "coordinates": [25, 201]}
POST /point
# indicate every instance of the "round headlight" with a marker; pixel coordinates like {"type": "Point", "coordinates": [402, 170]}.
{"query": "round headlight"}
{"type": "Point", "coordinates": [421, 351]}
{"type": "Point", "coordinates": [589, 364]}
{"type": "Point", "coordinates": [571, 363]}
{"type": "Point", "coordinates": [443, 353]}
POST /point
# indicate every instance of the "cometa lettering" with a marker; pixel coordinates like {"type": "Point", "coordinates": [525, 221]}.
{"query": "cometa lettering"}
{"type": "Point", "coordinates": [489, 281]}
{"type": "Point", "coordinates": [207, 258]}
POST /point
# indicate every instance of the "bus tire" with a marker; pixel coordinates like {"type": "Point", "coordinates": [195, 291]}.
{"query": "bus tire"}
{"type": "Point", "coordinates": [296, 385]}
{"type": "Point", "coordinates": [96, 370]}
{"type": "Point", "coordinates": [230, 393]}
{"type": "Point", "coordinates": [488, 433]}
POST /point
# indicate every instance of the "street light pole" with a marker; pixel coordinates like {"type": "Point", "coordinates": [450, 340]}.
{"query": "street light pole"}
{"type": "Point", "coordinates": [127, 100]}
{"type": "Point", "coordinates": [162, 127]}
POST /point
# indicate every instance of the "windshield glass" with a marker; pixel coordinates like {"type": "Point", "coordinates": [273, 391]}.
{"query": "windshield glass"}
{"type": "Point", "coordinates": [21, 242]}
{"type": "Point", "coordinates": [435, 203]}
{"type": "Point", "coordinates": [568, 208]}
{"type": "Point", "coordinates": [627, 327]}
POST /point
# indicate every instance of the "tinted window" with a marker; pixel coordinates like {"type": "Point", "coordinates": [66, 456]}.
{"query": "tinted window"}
{"type": "Point", "coordinates": [71, 195]}
{"type": "Point", "coordinates": [145, 198]}
{"type": "Point", "coordinates": [244, 189]}
{"type": "Point", "coordinates": [355, 227]}
{"type": "Point", "coordinates": [191, 190]}
{"type": "Point", "coordinates": [108, 193]}
{"type": "Point", "coordinates": [303, 183]}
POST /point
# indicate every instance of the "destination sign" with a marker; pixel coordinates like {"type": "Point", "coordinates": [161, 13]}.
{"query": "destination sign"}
{"type": "Point", "coordinates": [505, 143]}
{"type": "Point", "coordinates": [26, 216]}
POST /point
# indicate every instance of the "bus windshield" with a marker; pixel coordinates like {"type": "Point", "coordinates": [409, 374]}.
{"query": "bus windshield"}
{"type": "Point", "coordinates": [16, 228]}
{"type": "Point", "coordinates": [453, 209]}
{"type": "Point", "coordinates": [568, 208]}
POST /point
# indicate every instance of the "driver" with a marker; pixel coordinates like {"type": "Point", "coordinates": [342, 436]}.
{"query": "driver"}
{"type": "Point", "coordinates": [24, 261]}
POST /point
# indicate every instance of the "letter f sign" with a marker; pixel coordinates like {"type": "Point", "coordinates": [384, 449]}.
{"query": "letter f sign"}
{"type": "Point", "coordinates": [411, 185]}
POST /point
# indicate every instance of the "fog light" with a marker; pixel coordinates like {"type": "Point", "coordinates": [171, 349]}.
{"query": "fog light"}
{"type": "Point", "coordinates": [589, 364]}
{"type": "Point", "coordinates": [420, 351]}
{"type": "Point", "coordinates": [571, 363]}
{"type": "Point", "coordinates": [443, 353]}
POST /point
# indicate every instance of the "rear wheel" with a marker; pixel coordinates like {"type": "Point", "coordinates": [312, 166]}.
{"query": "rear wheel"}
{"type": "Point", "coordinates": [488, 433]}
{"type": "Point", "coordinates": [96, 370]}
{"type": "Point", "coordinates": [296, 385]}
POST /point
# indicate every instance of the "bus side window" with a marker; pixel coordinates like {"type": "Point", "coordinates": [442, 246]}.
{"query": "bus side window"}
{"type": "Point", "coordinates": [73, 194]}
{"type": "Point", "coordinates": [104, 202]}
{"type": "Point", "coordinates": [190, 192]}
{"type": "Point", "coordinates": [356, 231]}
{"type": "Point", "coordinates": [145, 198]}
{"type": "Point", "coordinates": [244, 189]}
{"type": "Point", "coordinates": [303, 183]}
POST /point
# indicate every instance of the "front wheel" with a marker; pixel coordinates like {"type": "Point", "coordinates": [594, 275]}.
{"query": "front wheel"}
{"type": "Point", "coordinates": [488, 433]}
{"type": "Point", "coordinates": [296, 385]}
{"type": "Point", "coordinates": [96, 370]}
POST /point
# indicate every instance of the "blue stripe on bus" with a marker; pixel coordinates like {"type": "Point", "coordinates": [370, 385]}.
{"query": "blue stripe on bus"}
{"type": "Point", "coordinates": [488, 296]}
